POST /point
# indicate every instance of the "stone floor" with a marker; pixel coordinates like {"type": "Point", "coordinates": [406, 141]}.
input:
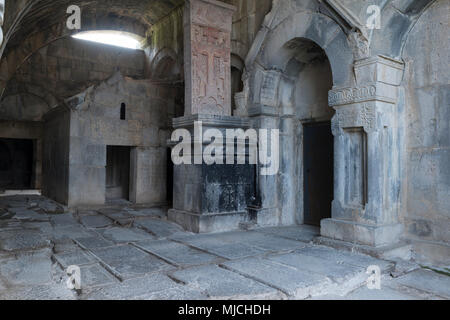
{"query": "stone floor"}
{"type": "Point", "coordinates": [128, 252]}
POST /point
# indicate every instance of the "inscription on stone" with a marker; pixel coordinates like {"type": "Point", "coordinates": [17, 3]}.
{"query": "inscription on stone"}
{"type": "Point", "coordinates": [350, 95]}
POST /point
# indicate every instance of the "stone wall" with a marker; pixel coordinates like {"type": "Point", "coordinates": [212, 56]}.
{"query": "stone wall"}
{"type": "Point", "coordinates": [61, 70]}
{"type": "Point", "coordinates": [55, 169]}
{"type": "Point", "coordinates": [427, 194]}
{"type": "Point", "coordinates": [96, 123]}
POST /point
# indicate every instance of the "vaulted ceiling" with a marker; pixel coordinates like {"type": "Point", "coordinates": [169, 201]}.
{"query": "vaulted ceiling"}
{"type": "Point", "coordinates": [38, 15]}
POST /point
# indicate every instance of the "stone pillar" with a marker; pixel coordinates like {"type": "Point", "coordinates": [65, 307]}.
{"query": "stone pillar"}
{"type": "Point", "coordinates": [367, 157]}
{"type": "Point", "coordinates": [209, 198]}
{"type": "Point", "coordinates": [207, 55]}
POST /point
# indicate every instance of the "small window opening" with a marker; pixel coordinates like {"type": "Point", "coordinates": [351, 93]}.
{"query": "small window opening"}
{"type": "Point", "coordinates": [123, 112]}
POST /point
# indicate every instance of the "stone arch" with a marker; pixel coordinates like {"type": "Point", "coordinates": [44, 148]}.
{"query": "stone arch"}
{"type": "Point", "coordinates": [313, 26]}
{"type": "Point", "coordinates": [166, 66]}
{"type": "Point", "coordinates": [397, 20]}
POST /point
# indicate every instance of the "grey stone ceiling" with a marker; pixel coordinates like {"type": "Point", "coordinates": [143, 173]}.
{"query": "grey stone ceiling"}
{"type": "Point", "coordinates": [45, 13]}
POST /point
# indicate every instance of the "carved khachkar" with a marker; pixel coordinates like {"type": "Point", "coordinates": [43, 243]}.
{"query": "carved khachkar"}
{"type": "Point", "coordinates": [207, 57]}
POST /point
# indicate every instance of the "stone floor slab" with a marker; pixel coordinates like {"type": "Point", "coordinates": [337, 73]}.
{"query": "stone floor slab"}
{"type": "Point", "coordinates": [78, 258]}
{"type": "Point", "coordinates": [298, 284]}
{"type": "Point", "coordinates": [220, 248]}
{"type": "Point", "coordinates": [352, 259]}
{"type": "Point", "coordinates": [29, 269]}
{"type": "Point", "coordinates": [41, 292]}
{"type": "Point", "coordinates": [148, 212]}
{"type": "Point", "coordinates": [426, 280]}
{"type": "Point", "coordinates": [94, 242]}
{"type": "Point", "coordinates": [134, 288]}
{"type": "Point", "coordinates": [125, 235]}
{"type": "Point", "coordinates": [61, 232]}
{"type": "Point", "coordinates": [177, 253]}
{"type": "Point", "coordinates": [128, 262]}
{"type": "Point", "coordinates": [218, 283]}
{"type": "Point", "coordinates": [22, 240]}
{"type": "Point", "coordinates": [94, 222]}
{"type": "Point", "coordinates": [299, 233]}
{"type": "Point", "coordinates": [336, 271]}
{"type": "Point", "coordinates": [94, 276]}
{"type": "Point", "coordinates": [159, 228]}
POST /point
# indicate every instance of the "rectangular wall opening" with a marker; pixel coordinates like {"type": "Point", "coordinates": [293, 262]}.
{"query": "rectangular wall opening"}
{"type": "Point", "coordinates": [318, 154]}
{"type": "Point", "coordinates": [117, 173]}
{"type": "Point", "coordinates": [16, 164]}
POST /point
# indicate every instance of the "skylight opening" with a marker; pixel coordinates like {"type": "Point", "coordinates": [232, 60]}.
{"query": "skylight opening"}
{"type": "Point", "coordinates": [113, 38]}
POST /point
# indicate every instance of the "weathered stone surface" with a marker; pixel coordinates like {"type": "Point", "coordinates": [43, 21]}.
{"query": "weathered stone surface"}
{"type": "Point", "coordinates": [78, 258]}
{"type": "Point", "coordinates": [135, 288]}
{"type": "Point", "coordinates": [357, 260]}
{"type": "Point", "coordinates": [367, 294]}
{"type": "Point", "coordinates": [62, 232]}
{"type": "Point", "coordinates": [127, 261]}
{"type": "Point", "coordinates": [427, 281]}
{"type": "Point", "coordinates": [41, 292]}
{"type": "Point", "coordinates": [121, 235]}
{"type": "Point", "coordinates": [28, 269]}
{"type": "Point", "coordinates": [94, 222]}
{"type": "Point", "coordinates": [207, 27]}
{"type": "Point", "coordinates": [299, 233]}
{"type": "Point", "coordinates": [152, 212]}
{"type": "Point", "coordinates": [25, 214]}
{"type": "Point", "coordinates": [219, 283]}
{"type": "Point", "coordinates": [296, 283]}
{"type": "Point", "coordinates": [176, 253]}
{"type": "Point", "coordinates": [94, 242]}
{"type": "Point", "coordinates": [94, 276]}
{"type": "Point", "coordinates": [51, 207]}
{"type": "Point", "coordinates": [159, 228]}
{"type": "Point", "coordinates": [64, 219]}
{"type": "Point", "coordinates": [22, 240]}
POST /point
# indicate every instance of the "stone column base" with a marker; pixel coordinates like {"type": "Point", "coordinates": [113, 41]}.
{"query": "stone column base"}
{"type": "Point", "coordinates": [363, 234]}
{"type": "Point", "coordinates": [208, 223]}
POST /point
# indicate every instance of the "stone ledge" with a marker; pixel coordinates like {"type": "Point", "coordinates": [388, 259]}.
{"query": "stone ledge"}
{"type": "Point", "coordinates": [211, 121]}
{"type": "Point", "coordinates": [402, 249]}
{"type": "Point", "coordinates": [362, 234]}
{"type": "Point", "coordinates": [208, 223]}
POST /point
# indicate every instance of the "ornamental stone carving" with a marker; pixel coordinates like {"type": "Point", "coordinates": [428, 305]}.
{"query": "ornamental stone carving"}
{"type": "Point", "coordinates": [207, 57]}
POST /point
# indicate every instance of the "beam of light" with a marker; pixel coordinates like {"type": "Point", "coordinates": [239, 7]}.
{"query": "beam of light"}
{"type": "Point", "coordinates": [113, 38]}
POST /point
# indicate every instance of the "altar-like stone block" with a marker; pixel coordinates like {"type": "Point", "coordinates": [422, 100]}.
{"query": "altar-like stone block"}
{"type": "Point", "coordinates": [207, 32]}
{"type": "Point", "coordinates": [210, 198]}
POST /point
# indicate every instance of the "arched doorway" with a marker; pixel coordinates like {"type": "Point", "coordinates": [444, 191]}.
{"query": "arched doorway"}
{"type": "Point", "coordinates": [311, 78]}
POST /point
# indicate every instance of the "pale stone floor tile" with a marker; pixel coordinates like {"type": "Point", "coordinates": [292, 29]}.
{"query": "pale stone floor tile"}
{"type": "Point", "coordinates": [156, 260]}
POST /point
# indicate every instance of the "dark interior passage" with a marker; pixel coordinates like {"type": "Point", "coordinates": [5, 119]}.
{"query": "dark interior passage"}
{"type": "Point", "coordinates": [318, 172]}
{"type": "Point", "coordinates": [117, 173]}
{"type": "Point", "coordinates": [16, 164]}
